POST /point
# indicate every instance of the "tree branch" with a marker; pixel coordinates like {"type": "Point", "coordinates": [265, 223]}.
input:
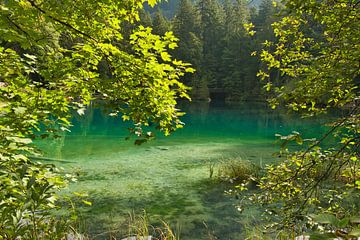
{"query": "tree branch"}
{"type": "Point", "coordinates": [17, 26]}
{"type": "Point", "coordinates": [32, 2]}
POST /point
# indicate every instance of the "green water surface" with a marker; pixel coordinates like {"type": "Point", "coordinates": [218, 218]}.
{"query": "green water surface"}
{"type": "Point", "coordinates": [169, 177]}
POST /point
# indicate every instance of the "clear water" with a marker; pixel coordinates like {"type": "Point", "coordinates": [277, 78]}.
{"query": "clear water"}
{"type": "Point", "coordinates": [169, 177]}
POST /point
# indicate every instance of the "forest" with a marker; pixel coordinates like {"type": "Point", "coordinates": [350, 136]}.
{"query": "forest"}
{"type": "Point", "coordinates": [194, 120]}
{"type": "Point", "coordinates": [214, 39]}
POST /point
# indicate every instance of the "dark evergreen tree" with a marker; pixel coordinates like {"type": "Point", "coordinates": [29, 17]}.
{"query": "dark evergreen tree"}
{"type": "Point", "coordinates": [213, 38]}
{"type": "Point", "coordinates": [186, 28]}
{"type": "Point", "coordinates": [145, 18]}
{"type": "Point", "coordinates": [212, 30]}
{"type": "Point", "coordinates": [265, 16]}
{"type": "Point", "coordinates": [238, 80]}
{"type": "Point", "coordinates": [160, 24]}
{"type": "Point", "coordinates": [264, 19]}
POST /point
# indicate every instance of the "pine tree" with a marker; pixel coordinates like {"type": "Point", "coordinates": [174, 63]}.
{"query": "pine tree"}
{"type": "Point", "coordinates": [145, 18]}
{"type": "Point", "coordinates": [236, 74]}
{"type": "Point", "coordinates": [160, 24]}
{"type": "Point", "coordinates": [186, 28]}
{"type": "Point", "coordinates": [264, 19]}
{"type": "Point", "coordinates": [212, 29]}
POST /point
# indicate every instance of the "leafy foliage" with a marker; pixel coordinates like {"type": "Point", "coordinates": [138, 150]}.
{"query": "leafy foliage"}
{"type": "Point", "coordinates": [313, 66]}
{"type": "Point", "coordinates": [332, 227]}
{"type": "Point", "coordinates": [50, 55]}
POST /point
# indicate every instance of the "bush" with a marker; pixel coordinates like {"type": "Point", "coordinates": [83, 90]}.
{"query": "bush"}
{"type": "Point", "coordinates": [237, 169]}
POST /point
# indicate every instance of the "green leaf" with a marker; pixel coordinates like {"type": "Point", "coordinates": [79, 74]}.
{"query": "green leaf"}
{"type": "Point", "coordinates": [299, 140]}
{"type": "Point", "coordinates": [322, 236]}
{"type": "Point", "coordinates": [152, 2]}
{"type": "Point", "coordinates": [326, 219]}
{"type": "Point", "coordinates": [165, 56]}
{"type": "Point", "coordinates": [87, 202]}
{"type": "Point", "coordinates": [81, 111]}
{"type": "Point", "coordinates": [32, 57]}
{"type": "Point", "coordinates": [20, 140]}
{"type": "Point", "coordinates": [173, 45]}
{"type": "Point", "coordinates": [355, 232]}
{"type": "Point", "coordinates": [125, 117]}
{"type": "Point", "coordinates": [355, 219]}
{"type": "Point", "coordinates": [343, 223]}
{"type": "Point", "coordinates": [19, 110]}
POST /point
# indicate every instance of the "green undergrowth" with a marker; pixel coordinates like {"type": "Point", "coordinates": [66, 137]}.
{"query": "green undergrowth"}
{"type": "Point", "coordinates": [236, 170]}
{"type": "Point", "coordinates": [135, 226]}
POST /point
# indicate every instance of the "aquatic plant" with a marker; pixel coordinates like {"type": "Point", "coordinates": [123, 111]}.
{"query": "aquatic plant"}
{"type": "Point", "coordinates": [166, 233]}
{"type": "Point", "coordinates": [237, 169]}
{"type": "Point", "coordinates": [140, 228]}
{"type": "Point", "coordinates": [211, 169]}
{"type": "Point", "coordinates": [138, 225]}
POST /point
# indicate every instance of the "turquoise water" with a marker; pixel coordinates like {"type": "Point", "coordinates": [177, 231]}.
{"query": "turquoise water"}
{"type": "Point", "coordinates": [169, 177]}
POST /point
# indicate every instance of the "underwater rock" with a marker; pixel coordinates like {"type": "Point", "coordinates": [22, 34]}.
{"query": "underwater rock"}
{"type": "Point", "coordinates": [156, 148]}
{"type": "Point", "coordinates": [75, 236]}
{"type": "Point", "coordinates": [302, 237]}
{"type": "Point", "coordinates": [162, 148]}
{"type": "Point", "coordinates": [138, 238]}
{"type": "Point", "coordinates": [42, 158]}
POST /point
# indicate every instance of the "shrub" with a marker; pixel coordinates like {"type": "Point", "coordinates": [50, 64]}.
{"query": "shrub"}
{"type": "Point", "coordinates": [237, 169]}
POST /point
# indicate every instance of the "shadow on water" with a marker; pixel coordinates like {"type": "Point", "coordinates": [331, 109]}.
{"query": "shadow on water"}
{"type": "Point", "coordinates": [207, 212]}
{"type": "Point", "coordinates": [169, 177]}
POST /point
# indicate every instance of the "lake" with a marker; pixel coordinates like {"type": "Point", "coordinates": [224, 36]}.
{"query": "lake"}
{"type": "Point", "coordinates": [169, 177]}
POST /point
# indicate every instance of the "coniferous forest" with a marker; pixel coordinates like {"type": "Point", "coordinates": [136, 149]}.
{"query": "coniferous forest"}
{"type": "Point", "coordinates": [213, 38]}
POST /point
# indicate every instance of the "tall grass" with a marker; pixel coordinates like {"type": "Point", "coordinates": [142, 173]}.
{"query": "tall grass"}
{"type": "Point", "coordinates": [137, 227]}
{"type": "Point", "coordinates": [237, 169]}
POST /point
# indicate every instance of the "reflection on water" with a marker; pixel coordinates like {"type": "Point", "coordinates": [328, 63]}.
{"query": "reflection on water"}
{"type": "Point", "coordinates": [169, 177]}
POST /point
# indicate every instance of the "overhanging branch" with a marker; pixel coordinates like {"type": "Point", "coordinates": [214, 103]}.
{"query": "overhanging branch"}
{"type": "Point", "coordinates": [32, 2]}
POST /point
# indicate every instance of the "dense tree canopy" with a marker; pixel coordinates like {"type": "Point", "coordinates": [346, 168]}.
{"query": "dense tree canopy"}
{"type": "Point", "coordinates": [312, 67]}
{"type": "Point", "coordinates": [56, 57]}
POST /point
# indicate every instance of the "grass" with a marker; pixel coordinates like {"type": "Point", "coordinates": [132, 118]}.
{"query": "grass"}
{"type": "Point", "coordinates": [140, 228]}
{"type": "Point", "coordinates": [237, 169]}
{"type": "Point", "coordinates": [137, 227]}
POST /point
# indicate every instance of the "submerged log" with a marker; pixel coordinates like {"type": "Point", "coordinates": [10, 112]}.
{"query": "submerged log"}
{"type": "Point", "coordinates": [39, 158]}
